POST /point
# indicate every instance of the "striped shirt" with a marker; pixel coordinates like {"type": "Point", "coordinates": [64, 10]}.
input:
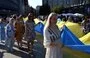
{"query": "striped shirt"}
{"type": "Point", "coordinates": [54, 34]}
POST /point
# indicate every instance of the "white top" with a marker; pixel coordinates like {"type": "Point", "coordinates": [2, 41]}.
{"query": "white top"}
{"type": "Point", "coordinates": [52, 35]}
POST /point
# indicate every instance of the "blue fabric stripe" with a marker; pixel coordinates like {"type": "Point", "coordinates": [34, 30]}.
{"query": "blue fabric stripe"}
{"type": "Point", "coordinates": [67, 38]}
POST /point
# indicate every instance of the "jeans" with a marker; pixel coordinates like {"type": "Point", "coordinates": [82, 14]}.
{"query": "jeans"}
{"type": "Point", "coordinates": [9, 43]}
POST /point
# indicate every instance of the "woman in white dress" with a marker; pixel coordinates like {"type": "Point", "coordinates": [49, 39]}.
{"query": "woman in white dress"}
{"type": "Point", "coordinates": [10, 33]}
{"type": "Point", "coordinates": [52, 38]}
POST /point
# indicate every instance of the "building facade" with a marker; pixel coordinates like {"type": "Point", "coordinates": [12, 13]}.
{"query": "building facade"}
{"type": "Point", "coordinates": [65, 3]}
{"type": "Point", "coordinates": [52, 3]}
{"type": "Point", "coordinates": [37, 10]}
{"type": "Point", "coordinates": [8, 7]}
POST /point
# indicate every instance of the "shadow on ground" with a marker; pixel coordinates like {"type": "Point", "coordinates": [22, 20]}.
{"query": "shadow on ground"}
{"type": "Point", "coordinates": [38, 51]}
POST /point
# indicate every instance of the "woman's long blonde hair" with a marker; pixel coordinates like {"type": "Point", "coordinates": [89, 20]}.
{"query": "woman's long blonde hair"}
{"type": "Point", "coordinates": [48, 23]}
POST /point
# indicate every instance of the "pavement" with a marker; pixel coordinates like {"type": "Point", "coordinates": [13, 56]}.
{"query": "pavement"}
{"type": "Point", "coordinates": [38, 51]}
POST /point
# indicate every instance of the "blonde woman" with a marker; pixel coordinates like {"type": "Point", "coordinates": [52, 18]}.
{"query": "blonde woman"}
{"type": "Point", "coordinates": [51, 38]}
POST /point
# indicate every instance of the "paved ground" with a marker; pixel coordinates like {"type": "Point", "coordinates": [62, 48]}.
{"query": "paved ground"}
{"type": "Point", "coordinates": [38, 49]}
{"type": "Point", "coordinates": [22, 53]}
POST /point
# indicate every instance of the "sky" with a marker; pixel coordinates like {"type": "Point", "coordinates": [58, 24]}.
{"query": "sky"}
{"type": "Point", "coordinates": [34, 3]}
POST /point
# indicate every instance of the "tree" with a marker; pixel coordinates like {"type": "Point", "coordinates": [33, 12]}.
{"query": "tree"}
{"type": "Point", "coordinates": [29, 9]}
{"type": "Point", "coordinates": [57, 9]}
{"type": "Point", "coordinates": [44, 9]}
{"type": "Point", "coordinates": [89, 1]}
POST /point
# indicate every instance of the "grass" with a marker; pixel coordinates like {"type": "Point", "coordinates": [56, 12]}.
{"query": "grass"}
{"type": "Point", "coordinates": [39, 37]}
{"type": "Point", "coordinates": [73, 53]}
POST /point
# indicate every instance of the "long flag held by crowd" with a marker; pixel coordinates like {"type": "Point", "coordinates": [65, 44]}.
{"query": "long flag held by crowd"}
{"type": "Point", "coordinates": [39, 28]}
{"type": "Point", "coordinates": [67, 38]}
{"type": "Point", "coordinates": [71, 41]}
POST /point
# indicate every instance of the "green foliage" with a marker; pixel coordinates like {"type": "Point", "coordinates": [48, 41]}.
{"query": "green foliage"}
{"type": "Point", "coordinates": [57, 9]}
{"type": "Point", "coordinates": [89, 1]}
{"type": "Point", "coordinates": [44, 9]}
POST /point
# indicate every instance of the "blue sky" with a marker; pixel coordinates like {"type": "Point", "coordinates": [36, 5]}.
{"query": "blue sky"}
{"type": "Point", "coordinates": [34, 3]}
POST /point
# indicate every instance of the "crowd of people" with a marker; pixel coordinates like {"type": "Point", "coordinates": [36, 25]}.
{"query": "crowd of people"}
{"type": "Point", "coordinates": [14, 29]}
{"type": "Point", "coordinates": [83, 21]}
